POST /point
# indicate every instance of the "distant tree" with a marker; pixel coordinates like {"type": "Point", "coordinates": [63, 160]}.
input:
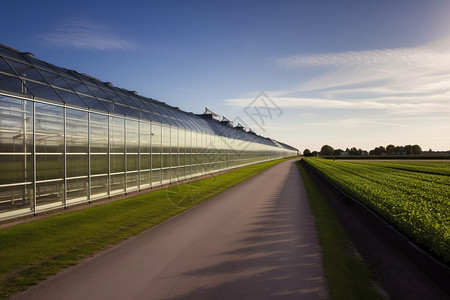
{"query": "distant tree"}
{"type": "Point", "coordinates": [354, 151]}
{"type": "Point", "coordinates": [307, 152]}
{"type": "Point", "coordinates": [399, 150]}
{"type": "Point", "coordinates": [378, 151]}
{"type": "Point", "coordinates": [408, 149]}
{"type": "Point", "coordinates": [390, 149]}
{"type": "Point", "coordinates": [337, 152]}
{"type": "Point", "coordinates": [416, 150]}
{"type": "Point", "coordinates": [326, 150]}
{"type": "Point", "coordinates": [314, 153]}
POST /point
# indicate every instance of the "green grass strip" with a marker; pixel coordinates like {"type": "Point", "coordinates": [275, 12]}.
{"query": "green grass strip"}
{"type": "Point", "coordinates": [32, 251]}
{"type": "Point", "coordinates": [347, 275]}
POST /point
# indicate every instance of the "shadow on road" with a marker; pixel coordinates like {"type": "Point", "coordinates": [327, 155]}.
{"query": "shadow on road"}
{"type": "Point", "coordinates": [272, 258]}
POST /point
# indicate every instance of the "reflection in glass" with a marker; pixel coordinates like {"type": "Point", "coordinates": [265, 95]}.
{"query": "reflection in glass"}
{"type": "Point", "coordinates": [50, 193]}
{"type": "Point", "coordinates": [132, 162]}
{"type": "Point", "coordinates": [99, 164]}
{"type": "Point", "coordinates": [132, 181]}
{"type": "Point", "coordinates": [117, 183]}
{"type": "Point", "coordinates": [49, 129]}
{"type": "Point", "coordinates": [117, 163]}
{"type": "Point", "coordinates": [132, 137]}
{"type": "Point", "coordinates": [49, 166]}
{"type": "Point", "coordinates": [15, 198]}
{"type": "Point", "coordinates": [77, 165]}
{"type": "Point", "coordinates": [99, 133]}
{"type": "Point", "coordinates": [156, 161]}
{"type": "Point", "coordinates": [99, 186]}
{"type": "Point", "coordinates": [117, 135]}
{"type": "Point", "coordinates": [156, 138]}
{"type": "Point", "coordinates": [76, 131]}
{"type": "Point", "coordinates": [77, 189]}
{"type": "Point", "coordinates": [156, 177]}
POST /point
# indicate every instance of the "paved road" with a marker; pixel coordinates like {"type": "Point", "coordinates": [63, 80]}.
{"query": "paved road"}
{"type": "Point", "coordinates": [255, 241]}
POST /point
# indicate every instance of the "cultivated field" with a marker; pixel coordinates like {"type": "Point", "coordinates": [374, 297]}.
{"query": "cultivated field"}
{"type": "Point", "coordinates": [413, 196]}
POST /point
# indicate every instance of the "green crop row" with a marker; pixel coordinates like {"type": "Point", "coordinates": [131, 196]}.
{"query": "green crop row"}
{"type": "Point", "coordinates": [412, 196]}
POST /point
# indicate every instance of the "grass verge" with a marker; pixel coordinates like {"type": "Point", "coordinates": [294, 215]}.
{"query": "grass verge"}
{"type": "Point", "coordinates": [32, 251]}
{"type": "Point", "coordinates": [347, 275]}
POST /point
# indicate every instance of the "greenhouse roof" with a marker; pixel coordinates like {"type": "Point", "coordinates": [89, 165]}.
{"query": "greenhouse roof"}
{"type": "Point", "coordinates": [23, 75]}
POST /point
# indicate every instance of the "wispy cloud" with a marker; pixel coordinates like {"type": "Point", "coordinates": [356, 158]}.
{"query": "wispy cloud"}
{"type": "Point", "coordinates": [409, 56]}
{"type": "Point", "coordinates": [83, 34]}
{"type": "Point", "coordinates": [356, 122]}
{"type": "Point", "coordinates": [393, 107]}
{"type": "Point", "coordinates": [399, 81]}
{"type": "Point", "coordinates": [399, 74]}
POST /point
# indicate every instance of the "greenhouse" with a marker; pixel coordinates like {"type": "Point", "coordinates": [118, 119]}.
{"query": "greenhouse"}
{"type": "Point", "coordinates": [68, 138]}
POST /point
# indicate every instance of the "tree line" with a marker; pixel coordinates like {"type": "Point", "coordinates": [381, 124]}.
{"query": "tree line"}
{"type": "Point", "coordinates": [327, 150]}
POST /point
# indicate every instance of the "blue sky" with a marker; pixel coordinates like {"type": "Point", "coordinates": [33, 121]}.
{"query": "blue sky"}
{"type": "Point", "coordinates": [344, 73]}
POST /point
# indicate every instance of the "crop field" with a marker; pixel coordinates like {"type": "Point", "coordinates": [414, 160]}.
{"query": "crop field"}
{"type": "Point", "coordinates": [413, 196]}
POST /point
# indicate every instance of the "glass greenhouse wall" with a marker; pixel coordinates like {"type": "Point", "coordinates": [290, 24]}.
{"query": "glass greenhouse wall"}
{"type": "Point", "coordinates": [68, 138]}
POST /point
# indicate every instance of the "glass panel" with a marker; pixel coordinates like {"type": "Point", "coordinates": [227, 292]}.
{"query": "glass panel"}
{"type": "Point", "coordinates": [113, 108]}
{"type": "Point", "coordinates": [77, 165]}
{"type": "Point", "coordinates": [55, 79]}
{"type": "Point", "coordinates": [76, 131]}
{"type": "Point", "coordinates": [117, 183]}
{"type": "Point", "coordinates": [99, 164]}
{"type": "Point", "coordinates": [4, 67]}
{"type": "Point", "coordinates": [145, 179]}
{"type": "Point", "coordinates": [25, 70]}
{"type": "Point", "coordinates": [43, 91]}
{"type": "Point", "coordinates": [97, 91]}
{"type": "Point", "coordinates": [77, 189]}
{"type": "Point", "coordinates": [156, 177]}
{"type": "Point", "coordinates": [165, 176]}
{"type": "Point", "coordinates": [132, 181]}
{"type": "Point", "coordinates": [99, 186]}
{"type": "Point", "coordinates": [156, 161]}
{"type": "Point", "coordinates": [132, 136]}
{"type": "Point", "coordinates": [16, 125]}
{"type": "Point", "coordinates": [93, 103]}
{"type": "Point", "coordinates": [70, 98]}
{"type": "Point", "coordinates": [114, 97]}
{"type": "Point", "coordinates": [49, 129]}
{"type": "Point", "coordinates": [117, 135]}
{"type": "Point", "coordinates": [49, 167]}
{"type": "Point", "coordinates": [181, 159]}
{"type": "Point", "coordinates": [138, 102]}
{"type": "Point", "coordinates": [165, 139]}
{"type": "Point", "coordinates": [174, 160]}
{"type": "Point", "coordinates": [174, 140]}
{"type": "Point", "coordinates": [13, 84]}
{"type": "Point", "coordinates": [144, 139]}
{"type": "Point", "coordinates": [181, 174]}
{"type": "Point", "coordinates": [166, 160]}
{"type": "Point", "coordinates": [16, 168]}
{"type": "Point", "coordinates": [129, 101]}
{"type": "Point", "coordinates": [145, 161]}
{"type": "Point", "coordinates": [181, 140]}
{"type": "Point", "coordinates": [127, 111]}
{"type": "Point", "coordinates": [117, 163]}
{"type": "Point", "coordinates": [50, 193]}
{"type": "Point", "coordinates": [99, 133]}
{"type": "Point", "coordinates": [78, 86]}
{"type": "Point", "coordinates": [110, 107]}
{"type": "Point", "coordinates": [174, 174]}
{"type": "Point", "coordinates": [132, 162]}
{"type": "Point", "coordinates": [156, 138]}
{"type": "Point", "coordinates": [15, 198]}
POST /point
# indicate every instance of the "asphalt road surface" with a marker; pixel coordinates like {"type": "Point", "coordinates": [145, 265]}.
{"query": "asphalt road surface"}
{"type": "Point", "coordinates": [256, 240]}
